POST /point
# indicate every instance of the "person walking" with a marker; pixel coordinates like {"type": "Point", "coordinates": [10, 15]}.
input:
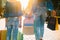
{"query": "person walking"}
{"type": "Point", "coordinates": [40, 11]}
{"type": "Point", "coordinates": [12, 14]}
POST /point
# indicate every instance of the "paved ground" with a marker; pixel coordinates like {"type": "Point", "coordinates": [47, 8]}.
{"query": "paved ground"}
{"type": "Point", "coordinates": [48, 34]}
{"type": "Point", "coordinates": [29, 37]}
{"type": "Point", "coordinates": [51, 35]}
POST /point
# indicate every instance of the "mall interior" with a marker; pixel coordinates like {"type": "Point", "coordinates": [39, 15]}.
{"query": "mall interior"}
{"type": "Point", "coordinates": [26, 21]}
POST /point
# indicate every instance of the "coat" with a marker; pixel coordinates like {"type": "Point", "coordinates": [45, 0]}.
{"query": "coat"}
{"type": "Point", "coordinates": [12, 9]}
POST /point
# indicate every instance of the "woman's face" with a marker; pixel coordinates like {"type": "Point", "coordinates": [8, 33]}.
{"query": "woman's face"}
{"type": "Point", "coordinates": [54, 13]}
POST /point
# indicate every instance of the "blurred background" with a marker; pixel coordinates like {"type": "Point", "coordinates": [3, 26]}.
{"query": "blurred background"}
{"type": "Point", "coordinates": [27, 32]}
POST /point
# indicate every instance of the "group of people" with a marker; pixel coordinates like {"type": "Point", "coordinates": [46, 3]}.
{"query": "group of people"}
{"type": "Point", "coordinates": [13, 12]}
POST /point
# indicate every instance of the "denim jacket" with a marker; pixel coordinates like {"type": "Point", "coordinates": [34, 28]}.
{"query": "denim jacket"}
{"type": "Point", "coordinates": [40, 10]}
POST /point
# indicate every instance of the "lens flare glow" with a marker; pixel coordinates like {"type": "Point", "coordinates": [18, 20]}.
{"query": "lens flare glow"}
{"type": "Point", "coordinates": [24, 3]}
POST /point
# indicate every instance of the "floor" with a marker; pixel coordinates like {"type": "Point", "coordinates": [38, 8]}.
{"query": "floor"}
{"type": "Point", "coordinates": [48, 34]}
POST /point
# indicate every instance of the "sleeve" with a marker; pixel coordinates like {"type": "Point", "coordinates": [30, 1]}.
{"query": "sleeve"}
{"type": "Point", "coordinates": [20, 13]}
{"type": "Point", "coordinates": [34, 8]}
{"type": "Point", "coordinates": [44, 13]}
{"type": "Point", "coordinates": [6, 10]}
{"type": "Point", "coordinates": [37, 10]}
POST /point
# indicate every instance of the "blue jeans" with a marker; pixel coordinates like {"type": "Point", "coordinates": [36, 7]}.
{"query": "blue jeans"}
{"type": "Point", "coordinates": [12, 25]}
{"type": "Point", "coordinates": [39, 28]}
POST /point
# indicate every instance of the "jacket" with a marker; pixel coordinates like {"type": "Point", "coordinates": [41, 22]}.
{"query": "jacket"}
{"type": "Point", "coordinates": [40, 11]}
{"type": "Point", "coordinates": [12, 9]}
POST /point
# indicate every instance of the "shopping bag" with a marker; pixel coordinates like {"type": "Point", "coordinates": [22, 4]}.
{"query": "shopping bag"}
{"type": "Point", "coordinates": [52, 23]}
{"type": "Point", "coordinates": [28, 25]}
{"type": "Point", "coordinates": [3, 34]}
{"type": "Point", "coordinates": [56, 28]}
{"type": "Point", "coordinates": [28, 21]}
{"type": "Point", "coordinates": [0, 35]}
{"type": "Point", "coordinates": [20, 36]}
